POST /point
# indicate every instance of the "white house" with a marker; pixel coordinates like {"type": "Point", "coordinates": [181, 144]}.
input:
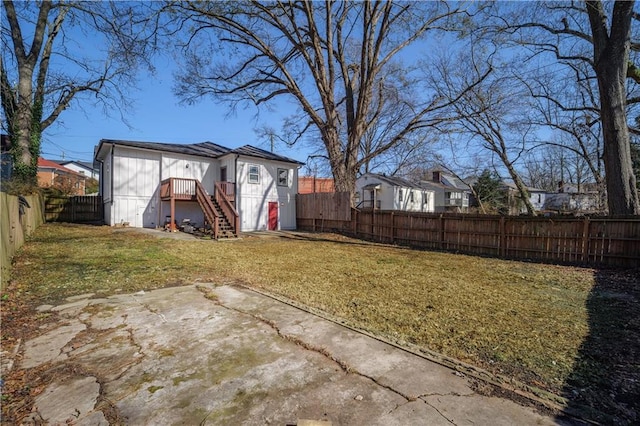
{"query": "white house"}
{"type": "Point", "coordinates": [392, 193]}
{"type": "Point", "coordinates": [451, 193]}
{"type": "Point", "coordinates": [151, 185]}
{"type": "Point", "coordinates": [82, 167]}
{"type": "Point", "coordinates": [537, 198]}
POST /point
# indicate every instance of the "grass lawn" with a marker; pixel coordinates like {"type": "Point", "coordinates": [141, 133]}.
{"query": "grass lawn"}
{"type": "Point", "coordinates": [536, 323]}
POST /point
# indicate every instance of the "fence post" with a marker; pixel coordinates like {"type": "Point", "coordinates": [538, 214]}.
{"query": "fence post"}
{"type": "Point", "coordinates": [74, 207]}
{"type": "Point", "coordinates": [502, 243]}
{"type": "Point", "coordinates": [354, 222]}
{"type": "Point", "coordinates": [441, 224]}
{"type": "Point", "coordinates": [393, 228]}
{"type": "Point", "coordinates": [585, 240]}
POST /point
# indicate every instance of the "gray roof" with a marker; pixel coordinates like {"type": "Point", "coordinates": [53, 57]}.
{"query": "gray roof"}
{"type": "Point", "coordinates": [252, 151]}
{"type": "Point", "coordinates": [513, 186]}
{"type": "Point", "coordinates": [202, 149]}
{"type": "Point", "coordinates": [394, 180]}
{"type": "Point", "coordinates": [85, 164]}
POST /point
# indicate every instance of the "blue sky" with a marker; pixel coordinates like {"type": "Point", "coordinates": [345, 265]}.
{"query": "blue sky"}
{"type": "Point", "coordinates": [156, 115]}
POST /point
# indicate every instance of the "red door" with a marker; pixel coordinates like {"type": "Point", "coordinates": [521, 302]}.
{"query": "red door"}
{"type": "Point", "coordinates": [273, 216]}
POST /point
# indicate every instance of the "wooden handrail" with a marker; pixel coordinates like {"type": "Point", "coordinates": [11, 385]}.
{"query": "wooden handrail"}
{"type": "Point", "coordinates": [192, 189]}
{"type": "Point", "coordinates": [229, 189]}
{"type": "Point", "coordinates": [207, 207]}
{"type": "Point", "coordinates": [227, 207]}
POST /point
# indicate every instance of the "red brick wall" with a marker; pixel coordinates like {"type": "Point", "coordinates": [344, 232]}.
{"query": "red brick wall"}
{"type": "Point", "coordinates": [310, 184]}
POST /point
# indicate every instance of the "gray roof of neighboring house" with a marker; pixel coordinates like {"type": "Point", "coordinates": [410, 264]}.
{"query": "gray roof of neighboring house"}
{"type": "Point", "coordinates": [513, 186]}
{"type": "Point", "coordinates": [202, 149]}
{"type": "Point", "coordinates": [85, 164]}
{"type": "Point", "coordinates": [394, 180]}
{"type": "Point", "coordinates": [447, 181]}
{"type": "Point", "coordinates": [429, 184]}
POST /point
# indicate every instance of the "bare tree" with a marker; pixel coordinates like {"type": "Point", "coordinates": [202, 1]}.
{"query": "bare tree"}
{"type": "Point", "coordinates": [335, 59]}
{"type": "Point", "coordinates": [486, 114]}
{"type": "Point", "coordinates": [611, 44]}
{"type": "Point", "coordinates": [599, 36]}
{"type": "Point", "coordinates": [48, 62]}
{"type": "Point", "coordinates": [566, 103]}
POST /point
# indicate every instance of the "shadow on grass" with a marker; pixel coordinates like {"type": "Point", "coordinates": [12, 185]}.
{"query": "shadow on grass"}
{"type": "Point", "coordinates": [605, 383]}
{"type": "Point", "coordinates": [338, 238]}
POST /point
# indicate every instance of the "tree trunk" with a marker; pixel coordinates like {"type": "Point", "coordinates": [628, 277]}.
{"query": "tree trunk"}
{"type": "Point", "coordinates": [611, 54]}
{"type": "Point", "coordinates": [22, 147]}
{"type": "Point", "coordinates": [622, 197]}
{"type": "Point", "coordinates": [522, 190]}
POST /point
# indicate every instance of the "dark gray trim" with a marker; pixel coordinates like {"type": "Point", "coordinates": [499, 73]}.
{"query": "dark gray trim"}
{"type": "Point", "coordinates": [202, 149]}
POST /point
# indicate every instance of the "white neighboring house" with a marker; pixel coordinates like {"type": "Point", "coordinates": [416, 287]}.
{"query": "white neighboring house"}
{"type": "Point", "coordinates": [380, 192]}
{"type": "Point", "coordinates": [537, 198]}
{"type": "Point", "coordinates": [571, 198]}
{"type": "Point", "coordinates": [451, 193]}
{"type": "Point", "coordinates": [148, 183]}
{"type": "Point", "coordinates": [83, 167]}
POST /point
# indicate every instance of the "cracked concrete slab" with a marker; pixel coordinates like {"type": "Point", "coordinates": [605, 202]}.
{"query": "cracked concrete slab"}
{"type": "Point", "coordinates": [71, 401]}
{"type": "Point", "coordinates": [48, 347]}
{"type": "Point", "coordinates": [225, 355]}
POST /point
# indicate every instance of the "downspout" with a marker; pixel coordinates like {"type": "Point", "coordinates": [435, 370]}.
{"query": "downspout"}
{"type": "Point", "coordinates": [113, 148]}
{"type": "Point", "coordinates": [236, 189]}
{"type": "Point", "coordinates": [235, 177]}
{"type": "Point", "coordinates": [159, 222]}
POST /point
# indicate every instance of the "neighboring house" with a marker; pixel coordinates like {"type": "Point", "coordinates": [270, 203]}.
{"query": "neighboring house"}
{"type": "Point", "coordinates": [83, 167]}
{"type": "Point", "coordinates": [53, 175]}
{"type": "Point", "coordinates": [151, 185]}
{"type": "Point", "coordinates": [5, 157]}
{"type": "Point", "coordinates": [451, 193]}
{"type": "Point", "coordinates": [537, 197]}
{"type": "Point", "coordinates": [574, 199]}
{"type": "Point", "coordinates": [311, 184]}
{"type": "Point", "coordinates": [374, 191]}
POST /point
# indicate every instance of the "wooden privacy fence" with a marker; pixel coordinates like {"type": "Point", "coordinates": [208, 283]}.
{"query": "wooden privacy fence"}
{"type": "Point", "coordinates": [593, 241]}
{"type": "Point", "coordinates": [74, 209]}
{"type": "Point", "coordinates": [320, 208]}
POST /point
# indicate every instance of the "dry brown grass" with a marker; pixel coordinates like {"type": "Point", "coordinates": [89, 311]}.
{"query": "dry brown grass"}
{"type": "Point", "coordinates": [520, 319]}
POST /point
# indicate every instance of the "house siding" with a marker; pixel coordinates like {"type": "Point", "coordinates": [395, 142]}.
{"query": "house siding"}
{"type": "Point", "coordinates": [136, 182]}
{"type": "Point", "coordinates": [228, 161]}
{"type": "Point", "coordinates": [188, 167]}
{"type": "Point", "coordinates": [253, 198]}
{"type": "Point", "coordinates": [89, 173]}
{"type": "Point", "coordinates": [389, 195]}
{"type": "Point", "coordinates": [132, 178]}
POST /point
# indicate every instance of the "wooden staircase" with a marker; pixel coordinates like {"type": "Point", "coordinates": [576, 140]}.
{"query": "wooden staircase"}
{"type": "Point", "coordinates": [219, 209]}
{"type": "Point", "coordinates": [225, 227]}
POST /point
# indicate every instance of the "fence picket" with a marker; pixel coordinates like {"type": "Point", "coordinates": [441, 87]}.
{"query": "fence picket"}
{"type": "Point", "coordinates": [595, 241]}
{"type": "Point", "coordinates": [74, 209]}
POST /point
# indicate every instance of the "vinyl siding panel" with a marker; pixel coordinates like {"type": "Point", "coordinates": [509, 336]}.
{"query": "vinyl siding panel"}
{"type": "Point", "coordinates": [136, 182]}
{"type": "Point", "coordinates": [253, 198]}
{"type": "Point", "coordinates": [205, 170]}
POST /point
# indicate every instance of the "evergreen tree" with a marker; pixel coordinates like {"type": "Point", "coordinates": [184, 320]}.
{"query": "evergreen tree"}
{"type": "Point", "coordinates": [491, 193]}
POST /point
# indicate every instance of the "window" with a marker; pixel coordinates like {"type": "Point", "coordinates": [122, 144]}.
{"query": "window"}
{"type": "Point", "coordinates": [400, 195]}
{"type": "Point", "coordinates": [425, 198]}
{"type": "Point", "coordinates": [254, 174]}
{"type": "Point", "coordinates": [411, 196]}
{"type": "Point", "coordinates": [283, 177]}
